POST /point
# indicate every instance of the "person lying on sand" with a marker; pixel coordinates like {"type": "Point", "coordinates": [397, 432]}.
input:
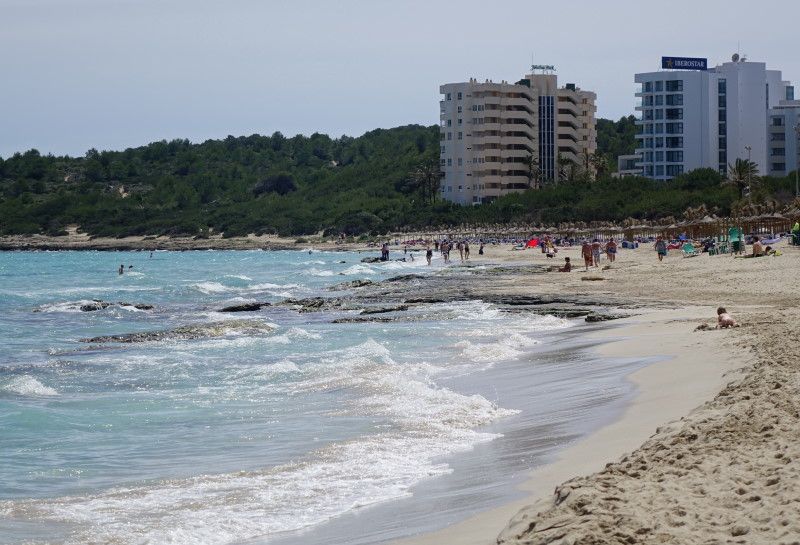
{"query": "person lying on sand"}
{"type": "Point", "coordinates": [725, 320]}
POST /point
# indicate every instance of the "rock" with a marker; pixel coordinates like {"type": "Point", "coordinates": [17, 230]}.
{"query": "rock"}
{"type": "Point", "coordinates": [313, 304]}
{"type": "Point", "coordinates": [97, 305]}
{"type": "Point", "coordinates": [425, 300]}
{"type": "Point", "coordinates": [591, 278]}
{"type": "Point", "coordinates": [246, 307]}
{"type": "Point", "coordinates": [384, 310]}
{"type": "Point", "coordinates": [199, 331]}
{"type": "Point", "coordinates": [592, 318]}
{"type": "Point", "coordinates": [361, 320]}
{"type": "Point", "coordinates": [405, 278]}
{"type": "Point", "coordinates": [371, 260]}
{"type": "Point", "coordinates": [350, 285]}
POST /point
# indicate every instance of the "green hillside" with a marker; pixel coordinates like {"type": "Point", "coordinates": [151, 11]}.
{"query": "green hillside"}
{"type": "Point", "coordinates": [302, 185]}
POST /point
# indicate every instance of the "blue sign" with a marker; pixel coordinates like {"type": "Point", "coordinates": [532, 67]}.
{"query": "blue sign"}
{"type": "Point", "coordinates": [684, 63]}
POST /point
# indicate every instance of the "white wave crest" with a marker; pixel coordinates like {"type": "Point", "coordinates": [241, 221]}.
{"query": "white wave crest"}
{"type": "Point", "coordinates": [27, 385]}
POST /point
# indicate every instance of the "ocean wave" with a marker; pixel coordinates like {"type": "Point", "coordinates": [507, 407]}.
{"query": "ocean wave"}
{"type": "Point", "coordinates": [358, 269]}
{"type": "Point", "coordinates": [510, 346]}
{"type": "Point", "coordinates": [428, 422]}
{"type": "Point", "coordinates": [27, 385]}
{"type": "Point", "coordinates": [316, 272]}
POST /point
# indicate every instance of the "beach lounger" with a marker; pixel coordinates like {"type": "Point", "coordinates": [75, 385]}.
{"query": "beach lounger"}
{"type": "Point", "coordinates": [689, 250]}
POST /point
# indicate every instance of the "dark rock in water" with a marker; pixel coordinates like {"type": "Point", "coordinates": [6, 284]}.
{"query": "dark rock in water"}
{"type": "Point", "coordinates": [97, 305]}
{"type": "Point", "coordinates": [350, 285]}
{"type": "Point", "coordinates": [591, 318]}
{"type": "Point", "coordinates": [361, 320]}
{"type": "Point", "coordinates": [246, 307]}
{"type": "Point", "coordinates": [200, 331]}
{"type": "Point", "coordinates": [384, 310]}
{"type": "Point", "coordinates": [343, 262]}
{"type": "Point", "coordinates": [405, 278]}
{"type": "Point", "coordinates": [313, 304]}
{"type": "Point", "coordinates": [425, 300]}
{"type": "Point", "coordinates": [370, 260]}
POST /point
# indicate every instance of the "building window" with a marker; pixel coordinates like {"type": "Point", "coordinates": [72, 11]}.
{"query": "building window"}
{"type": "Point", "coordinates": [779, 166]}
{"type": "Point", "coordinates": [723, 142]}
{"type": "Point", "coordinates": [723, 101]}
{"type": "Point", "coordinates": [458, 96]}
{"type": "Point", "coordinates": [778, 137]}
{"type": "Point", "coordinates": [674, 170]}
{"type": "Point", "coordinates": [723, 128]}
{"type": "Point", "coordinates": [674, 85]}
{"type": "Point", "coordinates": [659, 128]}
{"type": "Point", "coordinates": [659, 114]}
{"type": "Point", "coordinates": [777, 122]}
{"type": "Point", "coordinates": [449, 122]}
{"type": "Point", "coordinates": [723, 157]}
{"type": "Point", "coordinates": [778, 152]}
{"type": "Point", "coordinates": [674, 142]}
{"type": "Point", "coordinates": [659, 156]}
{"type": "Point", "coordinates": [674, 113]}
{"type": "Point", "coordinates": [659, 86]}
{"type": "Point", "coordinates": [723, 115]}
{"type": "Point", "coordinates": [460, 161]}
{"type": "Point", "coordinates": [659, 170]}
{"type": "Point", "coordinates": [659, 100]}
{"type": "Point", "coordinates": [721, 87]}
{"type": "Point", "coordinates": [660, 142]}
{"type": "Point", "coordinates": [675, 157]}
{"type": "Point", "coordinates": [459, 121]}
{"type": "Point", "coordinates": [449, 162]}
{"type": "Point", "coordinates": [449, 136]}
{"type": "Point", "coordinates": [674, 128]}
{"type": "Point", "coordinates": [442, 149]}
{"type": "Point", "coordinates": [459, 109]}
{"type": "Point", "coordinates": [460, 135]}
{"type": "Point", "coordinates": [674, 100]}
{"type": "Point", "coordinates": [648, 87]}
{"type": "Point", "coordinates": [789, 92]}
{"type": "Point", "coordinates": [449, 97]}
{"type": "Point", "coordinates": [442, 162]}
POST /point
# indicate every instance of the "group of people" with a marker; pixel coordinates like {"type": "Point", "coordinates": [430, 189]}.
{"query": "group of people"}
{"type": "Point", "coordinates": [591, 252]}
{"type": "Point", "coordinates": [462, 246]}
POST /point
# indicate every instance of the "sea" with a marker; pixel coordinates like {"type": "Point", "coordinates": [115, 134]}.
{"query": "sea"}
{"type": "Point", "coordinates": [275, 426]}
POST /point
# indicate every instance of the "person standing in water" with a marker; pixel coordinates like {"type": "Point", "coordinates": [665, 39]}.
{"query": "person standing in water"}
{"type": "Point", "coordinates": [428, 254]}
{"type": "Point", "coordinates": [122, 268]}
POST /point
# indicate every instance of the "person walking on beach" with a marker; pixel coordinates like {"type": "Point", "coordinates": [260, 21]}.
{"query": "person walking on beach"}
{"type": "Point", "coordinates": [466, 250]}
{"type": "Point", "coordinates": [460, 247]}
{"type": "Point", "coordinates": [586, 251]}
{"type": "Point", "coordinates": [611, 250]}
{"type": "Point", "coordinates": [661, 248]}
{"type": "Point", "coordinates": [428, 254]}
{"type": "Point", "coordinates": [596, 252]}
{"type": "Point", "coordinates": [480, 249]}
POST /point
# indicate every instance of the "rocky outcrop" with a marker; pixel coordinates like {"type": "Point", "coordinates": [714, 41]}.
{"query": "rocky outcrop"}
{"type": "Point", "coordinates": [189, 332]}
{"type": "Point", "coordinates": [100, 305]}
{"type": "Point", "coordinates": [245, 307]}
{"type": "Point", "coordinates": [384, 310]}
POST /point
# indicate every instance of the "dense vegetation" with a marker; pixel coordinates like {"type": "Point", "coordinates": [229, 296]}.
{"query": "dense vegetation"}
{"type": "Point", "coordinates": [303, 185]}
{"type": "Point", "coordinates": [615, 138]}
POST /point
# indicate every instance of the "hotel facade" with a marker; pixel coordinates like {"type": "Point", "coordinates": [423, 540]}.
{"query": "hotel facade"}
{"type": "Point", "coordinates": [500, 138]}
{"type": "Point", "coordinates": [692, 117]}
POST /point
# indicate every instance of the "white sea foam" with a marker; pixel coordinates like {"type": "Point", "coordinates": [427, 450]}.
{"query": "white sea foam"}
{"type": "Point", "coordinates": [65, 306]}
{"type": "Point", "coordinates": [317, 272]}
{"type": "Point", "coordinates": [210, 287]}
{"type": "Point", "coordinates": [238, 277]}
{"type": "Point", "coordinates": [27, 385]}
{"type": "Point", "coordinates": [427, 422]}
{"type": "Point", "coordinates": [358, 269]}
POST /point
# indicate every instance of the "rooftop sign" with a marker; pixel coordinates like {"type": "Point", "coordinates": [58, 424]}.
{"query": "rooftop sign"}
{"type": "Point", "coordinates": [684, 63]}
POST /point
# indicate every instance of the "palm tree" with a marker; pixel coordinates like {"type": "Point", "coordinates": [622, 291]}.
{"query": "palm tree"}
{"type": "Point", "coordinates": [599, 163]}
{"type": "Point", "coordinates": [428, 177]}
{"type": "Point", "coordinates": [743, 173]}
{"type": "Point", "coordinates": [532, 171]}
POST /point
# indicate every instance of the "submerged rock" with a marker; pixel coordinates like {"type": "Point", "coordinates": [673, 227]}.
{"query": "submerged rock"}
{"type": "Point", "coordinates": [604, 317]}
{"type": "Point", "coordinates": [384, 310]}
{"type": "Point", "coordinates": [313, 304]}
{"type": "Point", "coordinates": [97, 304]}
{"type": "Point", "coordinates": [199, 331]}
{"type": "Point", "coordinates": [245, 307]}
{"type": "Point", "coordinates": [352, 284]}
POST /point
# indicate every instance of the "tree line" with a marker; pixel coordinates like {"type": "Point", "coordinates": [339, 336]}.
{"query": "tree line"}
{"type": "Point", "coordinates": [384, 180]}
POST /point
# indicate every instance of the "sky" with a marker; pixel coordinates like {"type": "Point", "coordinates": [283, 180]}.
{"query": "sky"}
{"type": "Point", "coordinates": [112, 74]}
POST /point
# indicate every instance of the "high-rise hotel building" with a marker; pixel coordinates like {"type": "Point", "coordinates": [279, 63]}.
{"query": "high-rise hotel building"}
{"type": "Point", "coordinates": [499, 138]}
{"type": "Point", "coordinates": [694, 117]}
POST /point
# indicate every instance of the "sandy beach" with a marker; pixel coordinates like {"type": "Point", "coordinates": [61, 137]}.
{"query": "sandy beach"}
{"type": "Point", "coordinates": [704, 453]}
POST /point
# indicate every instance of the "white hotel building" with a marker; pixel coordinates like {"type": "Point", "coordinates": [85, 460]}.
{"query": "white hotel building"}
{"type": "Point", "coordinates": [707, 118]}
{"type": "Point", "coordinates": [490, 131]}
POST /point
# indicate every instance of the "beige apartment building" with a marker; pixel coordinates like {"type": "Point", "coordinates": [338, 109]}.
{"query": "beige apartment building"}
{"type": "Point", "coordinates": [499, 138]}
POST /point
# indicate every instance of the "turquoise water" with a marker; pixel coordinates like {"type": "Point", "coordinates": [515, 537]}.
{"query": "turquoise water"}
{"type": "Point", "coordinates": [252, 425]}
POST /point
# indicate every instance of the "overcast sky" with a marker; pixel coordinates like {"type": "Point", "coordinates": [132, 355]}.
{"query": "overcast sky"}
{"type": "Point", "coordinates": [111, 74]}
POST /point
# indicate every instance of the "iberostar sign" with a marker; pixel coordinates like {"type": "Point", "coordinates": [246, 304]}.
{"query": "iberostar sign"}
{"type": "Point", "coordinates": [684, 63]}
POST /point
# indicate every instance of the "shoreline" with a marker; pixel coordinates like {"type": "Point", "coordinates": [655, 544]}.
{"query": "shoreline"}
{"type": "Point", "coordinates": [661, 398]}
